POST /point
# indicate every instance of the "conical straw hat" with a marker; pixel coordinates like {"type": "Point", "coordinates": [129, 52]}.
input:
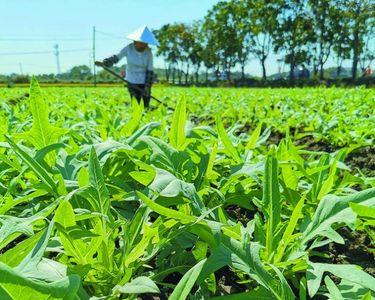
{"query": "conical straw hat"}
{"type": "Point", "coordinates": [143, 34]}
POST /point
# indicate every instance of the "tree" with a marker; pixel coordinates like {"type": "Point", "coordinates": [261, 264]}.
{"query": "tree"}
{"type": "Point", "coordinates": [209, 58]}
{"type": "Point", "coordinates": [341, 32]}
{"type": "Point", "coordinates": [80, 73]}
{"type": "Point", "coordinates": [176, 46]}
{"type": "Point", "coordinates": [323, 15]}
{"type": "Point", "coordinates": [224, 38]}
{"type": "Point", "coordinates": [260, 23]}
{"type": "Point", "coordinates": [196, 53]}
{"type": "Point", "coordinates": [368, 53]}
{"type": "Point", "coordinates": [187, 49]}
{"type": "Point", "coordinates": [294, 32]}
{"type": "Point", "coordinates": [240, 21]}
{"type": "Point", "coordinates": [168, 48]}
{"type": "Point", "coordinates": [361, 14]}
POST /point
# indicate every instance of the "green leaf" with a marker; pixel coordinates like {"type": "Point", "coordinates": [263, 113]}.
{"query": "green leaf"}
{"type": "Point", "coordinates": [363, 211]}
{"type": "Point", "coordinates": [251, 144]}
{"type": "Point", "coordinates": [167, 185]}
{"type": "Point", "coordinates": [64, 214]}
{"type": "Point", "coordinates": [42, 133]}
{"type": "Point", "coordinates": [145, 130]}
{"type": "Point", "coordinates": [164, 211]}
{"type": "Point", "coordinates": [271, 202]}
{"type": "Point", "coordinates": [333, 290]}
{"type": "Point", "coordinates": [288, 233]}
{"type": "Point", "coordinates": [303, 289]}
{"type": "Point", "coordinates": [163, 155]}
{"type": "Point", "coordinates": [256, 294]}
{"type": "Point", "coordinates": [36, 167]}
{"type": "Point", "coordinates": [12, 227]}
{"type": "Point", "coordinates": [14, 286]}
{"type": "Point", "coordinates": [177, 136]}
{"type": "Point", "coordinates": [9, 202]}
{"type": "Point", "coordinates": [211, 162]}
{"type": "Point", "coordinates": [333, 209]}
{"type": "Point", "coordinates": [328, 183]}
{"type": "Point", "coordinates": [139, 249]}
{"type": "Point", "coordinates": [139, 285]}
{"type": "Point", "coordinates": [367, 296]}
{"type": "Point", "coordinates": [83, 177]}
{"type": "Point", "coordinates": [97, 190]}
{"type": "Point", "coordinates": [230, 149]}
{"type": "Point", "coordinates": [184, 286]}
{"type": "Point", "coordinates": [29, 264]}
{"type": "Point", "coordinates": [15, 255]}
{"type": "Point", "coordinates": [350, 273]}
{"type": "Point", "coordinates": [246, 259]}
{"type": "Point", "coordinates": [135, 118]}
{"type": "Point", "coordinates": [321, 173]}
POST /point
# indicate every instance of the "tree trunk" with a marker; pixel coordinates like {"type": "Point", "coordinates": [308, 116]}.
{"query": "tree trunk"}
{"type": "Point", "coordinates": [173, 75]}
{"type": "Point", "coordinates": [243, 72]}
{"type": "Point", "coordinates": [187, 75]}
{"type": "Point", "coordinates": [179, 76]}
{"type": "Point", "coordinates": [321, 54]}
{"type": "Point", "coordinates": [167, 71]}
{"type": "Point", "coordinates": [338, 71]}
{"type": "Point", "coordinates": [264, 73]}
{"type": "Point", "coordinates": [217, 74]}
{"type": "Point", "coordinates": [167, 74]}
{"type": "Point", "coordinates": [292, 67]}
{"type": "Point", "coordinates": [206, 75]}
{"type": "Point", "coordinates": [321, 72]}
{"type": "Point", "coordinates": [291, 73]}
{"type": "Point", "coordinates": [355, 54]}
{"type": "Point", "coordinates": [315, 69]}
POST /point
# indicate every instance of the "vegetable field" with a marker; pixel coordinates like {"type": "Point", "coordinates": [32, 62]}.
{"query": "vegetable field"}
{"type": "Point", "coordinates": [219, 194]}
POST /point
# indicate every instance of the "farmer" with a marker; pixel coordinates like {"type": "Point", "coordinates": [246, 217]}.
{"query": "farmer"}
{"type": "Point", "coordinates": [139, 67]}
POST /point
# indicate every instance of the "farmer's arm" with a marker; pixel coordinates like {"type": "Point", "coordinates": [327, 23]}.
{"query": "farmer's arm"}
{"type": "Point", "coordinates": [110, 61]}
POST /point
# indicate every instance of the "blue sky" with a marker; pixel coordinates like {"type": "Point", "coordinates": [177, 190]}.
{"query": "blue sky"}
{"type": "Point", "coordinates": [37, 25]}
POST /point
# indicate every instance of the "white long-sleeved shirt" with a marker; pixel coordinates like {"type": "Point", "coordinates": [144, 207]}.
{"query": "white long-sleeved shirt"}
{"type": "Point", "coordinates": [137, 63]}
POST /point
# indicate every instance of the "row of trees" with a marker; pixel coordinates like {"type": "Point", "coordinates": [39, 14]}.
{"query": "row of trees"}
{"type": "Point", "coordinates": [302, 31]}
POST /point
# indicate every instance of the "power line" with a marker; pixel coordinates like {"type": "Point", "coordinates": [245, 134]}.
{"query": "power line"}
{"type": "Point", "coordinates": [41, 39]}
{"type": "Point", "coordinates": [55, 39]}
{"type": "Point", "coordinates": [42, 35]}
{"type": "Point", "coordinates": [37, 65]}
{"type": "Point", "coordinates": [27, 64]}
{"type": "Point", "coordinates": [110, 34]}
{"type": "Point", "coordinates": [25, 53]}
{"type": "Point", "coordinates": [43, 52]}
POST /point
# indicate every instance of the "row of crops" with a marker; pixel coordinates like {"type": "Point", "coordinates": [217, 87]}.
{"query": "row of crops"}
{"type": "Point", "coordinates": [221, 193]}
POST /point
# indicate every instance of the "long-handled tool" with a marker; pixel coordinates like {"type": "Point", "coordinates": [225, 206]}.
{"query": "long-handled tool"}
{"type": "Point", "coordinates": [100, 64]}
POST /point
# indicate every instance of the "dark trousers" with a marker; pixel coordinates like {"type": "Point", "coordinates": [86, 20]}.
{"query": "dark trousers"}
{"type": "Point", "coordinates": [138, 91]}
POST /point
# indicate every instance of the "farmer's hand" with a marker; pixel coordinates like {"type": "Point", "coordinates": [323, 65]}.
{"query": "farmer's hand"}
{"type": "Point", "coordinates": [110, 61]}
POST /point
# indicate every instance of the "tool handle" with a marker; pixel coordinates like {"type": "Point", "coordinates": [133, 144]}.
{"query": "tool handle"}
{"type": "Point", "coordinates": [101, 64]}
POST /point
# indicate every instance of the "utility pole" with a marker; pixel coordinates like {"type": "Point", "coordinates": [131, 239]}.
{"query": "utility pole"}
{"type": "Point", "coordinates": [21, 70]}
{"type": "Point", "coordinates": [93, 54]}
{"type": "Point", "coordinates": [57, 58]}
